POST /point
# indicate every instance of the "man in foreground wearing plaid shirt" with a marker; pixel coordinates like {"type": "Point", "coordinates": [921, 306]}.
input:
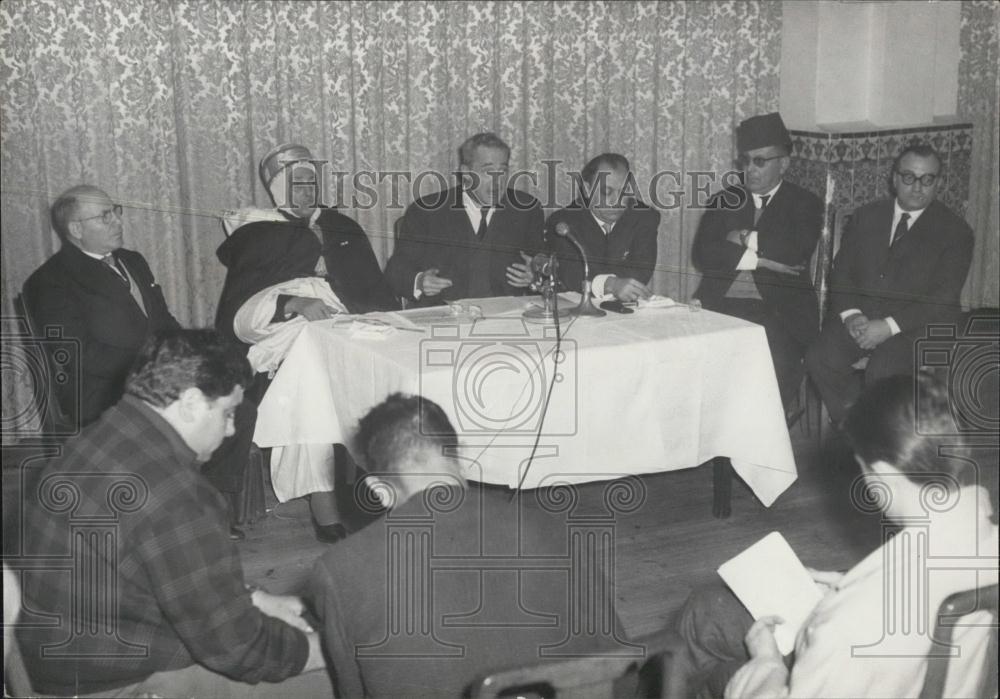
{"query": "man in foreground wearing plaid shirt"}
{"type": "Point", "coordinates": [136, 588]}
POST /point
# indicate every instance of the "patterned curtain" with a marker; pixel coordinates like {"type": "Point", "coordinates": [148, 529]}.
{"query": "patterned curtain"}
{"type": "Point", "coordinates": [169, 105]}
{"type": "Point", "coordinates": [978, 95]}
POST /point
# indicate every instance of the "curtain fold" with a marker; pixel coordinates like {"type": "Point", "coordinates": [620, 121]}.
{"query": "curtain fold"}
{"type": "Point", "coordinates": [979, 102]}
{"type": "Point", "coordinates": [169, 106]}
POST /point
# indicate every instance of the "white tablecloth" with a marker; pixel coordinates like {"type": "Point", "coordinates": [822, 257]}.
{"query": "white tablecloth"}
{"type": "Point", "coordinates": [657, 390]}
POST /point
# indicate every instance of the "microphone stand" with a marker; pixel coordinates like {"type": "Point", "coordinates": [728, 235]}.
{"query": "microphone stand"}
{"type": "Point", "coordinates": [549, 309]}
{"type": "Point", "coordinates": [586, 307]}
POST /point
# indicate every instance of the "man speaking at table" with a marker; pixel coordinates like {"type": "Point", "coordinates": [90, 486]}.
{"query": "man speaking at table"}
{"type": "Point", "coordinates": [754, 244]}
{"type": "Point", "coordinates": [472, 241]}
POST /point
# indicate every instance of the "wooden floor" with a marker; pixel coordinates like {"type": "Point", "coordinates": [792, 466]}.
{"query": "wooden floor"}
{"type": "Point", "coordinates": [666, 548]}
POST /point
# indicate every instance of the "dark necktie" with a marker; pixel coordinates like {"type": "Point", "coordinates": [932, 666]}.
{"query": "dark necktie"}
{"type": "Point", "coordinates": [759, 211]}
{"type": "Point", "coordinates": [901, 228]}
{"type": "Point", "coordinates": [481, 231]}
{"type": "Point", "coordinates": [112, 264]}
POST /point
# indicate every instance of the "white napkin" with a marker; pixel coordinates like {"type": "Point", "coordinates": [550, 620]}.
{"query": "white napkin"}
{"type": "Point", "coordinates": [370, 329]}
{"type": "Point", "coordinates": [655, 301]}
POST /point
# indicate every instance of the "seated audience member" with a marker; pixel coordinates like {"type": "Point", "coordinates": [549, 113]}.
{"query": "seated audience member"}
{"type": "Point", "coordinates": [96, 292]}
{"type": "Point", "coordinates": [617, 232]}
{"type": "Point", "coordinates": [901, 266]}
{"type": "Point", "coordinates": [843, 649]}
{"type": "Point", "coordinates": [315, 263]}
{"type": "Point", "coordinates": [396, 626]}
{"type": "Point", "coordinates": [754, 244]}
{"type": "Point", "coordinates": [472, 241]}
{"type": "Point", "coordinates": [105, 296]}
{"type": "Point", "coordinates": [148, 596]}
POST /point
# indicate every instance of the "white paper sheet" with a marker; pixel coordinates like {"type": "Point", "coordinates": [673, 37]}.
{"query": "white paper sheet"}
{"type": "Point", "coordinates": [768, 578]}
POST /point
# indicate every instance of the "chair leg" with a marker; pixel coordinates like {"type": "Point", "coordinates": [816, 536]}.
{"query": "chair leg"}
{"type": "Point", "coordinates": [722, 487]}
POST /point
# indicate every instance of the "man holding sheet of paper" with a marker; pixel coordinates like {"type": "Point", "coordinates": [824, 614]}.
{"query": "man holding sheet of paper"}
{"type": "Point", "coordinates": [869, 633]}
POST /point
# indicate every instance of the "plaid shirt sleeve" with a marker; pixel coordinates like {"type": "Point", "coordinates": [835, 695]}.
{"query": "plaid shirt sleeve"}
{"type": "Point", "coordinates": [196, 577]}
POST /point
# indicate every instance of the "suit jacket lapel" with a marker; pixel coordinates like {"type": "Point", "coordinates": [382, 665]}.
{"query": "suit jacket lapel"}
{"type": "Point", "coordinates": [744, 215]}
{"type": "Point", "coordinates": [91, 273]}
{"type": "Point", "coordinates": [883, 234]}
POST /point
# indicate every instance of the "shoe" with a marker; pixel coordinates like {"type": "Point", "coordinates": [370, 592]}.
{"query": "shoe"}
{"type": "Point", "coordinates": [236, 534]}
{"type": "Point", "coordinates": [330, 533]}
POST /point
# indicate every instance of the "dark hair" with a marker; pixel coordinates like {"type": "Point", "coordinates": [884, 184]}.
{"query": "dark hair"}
{"type": "Point", "coordinates": [488, 139]}
{"type": "Point", "coordinates": [64, 208]}
{"type": "Point", "coordinates": [176, 360]}
{"type": "Point", "coordinates": [883, 425]}
{"type": "Point", "coordinates": [612, 161]}
{"type": "Point", "coordinates": [922, 150]}
{"type": "Point", "coordinates": [399, 425]}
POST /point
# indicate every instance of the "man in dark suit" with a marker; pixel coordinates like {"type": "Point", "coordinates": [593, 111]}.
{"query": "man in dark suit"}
{"type": "Point", "coordinates": [453, 582]}
{"type": "Point", "coordinates": [312, 241]}
{"type": "Point", "coordinates": [472, 241]}
{"type": "Point", "coordinates": [617, 232]}
{"type": "Point", "coordinates": [98, 293]}
{"type": "Point", "coordinates": [901, 266]}
{"type": "Point", "coordinates": [754, 244]}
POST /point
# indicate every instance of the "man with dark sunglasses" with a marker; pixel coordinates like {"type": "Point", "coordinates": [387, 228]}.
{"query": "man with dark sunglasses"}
{"type": "Point", "coordinates": [901, 266]}
{"type": "Point", "coordinates": [754, 244]}
{"type": "Point", "coordinates": [99, 294]}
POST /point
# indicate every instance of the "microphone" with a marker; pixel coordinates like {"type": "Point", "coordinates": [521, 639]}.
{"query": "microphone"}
{"type": "Point", "coordinates": [586, 307]}
{"type": "Point", "coordinates": [544, 268]}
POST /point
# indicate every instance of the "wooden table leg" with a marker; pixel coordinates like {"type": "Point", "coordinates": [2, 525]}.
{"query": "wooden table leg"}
{"type": "Point", "coordinates": [722, 487]}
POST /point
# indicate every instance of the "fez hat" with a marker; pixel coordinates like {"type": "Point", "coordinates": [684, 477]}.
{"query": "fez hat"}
{"type": "Point", "coordinates": [277, 159]}
{"type": "Point", "coordinates": [762, 131]}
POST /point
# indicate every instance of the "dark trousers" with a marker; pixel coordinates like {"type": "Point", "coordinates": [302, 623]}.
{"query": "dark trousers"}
{"type": "Point", "coordinates": [713, 624]}
{"type": "Point", "coordinates": [227, 469]}
{"type": "Point", "coordinates": [829, 362]}
{"type": "Point", "coordinates": [787, 350]}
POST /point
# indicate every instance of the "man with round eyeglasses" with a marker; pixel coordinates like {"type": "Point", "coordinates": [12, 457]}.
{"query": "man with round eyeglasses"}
{"type": "Point", "coordinates": [97, 293]}
{"type": "Point", "coordinates": [901, 266]}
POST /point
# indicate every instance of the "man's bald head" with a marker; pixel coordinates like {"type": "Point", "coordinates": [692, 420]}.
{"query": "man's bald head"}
{"type": "Point", "coordinates": [67, 205]}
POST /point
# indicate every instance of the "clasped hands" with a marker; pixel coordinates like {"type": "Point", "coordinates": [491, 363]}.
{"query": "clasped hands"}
{"type": "Point", "coordinates": [867, 334]}
{"type": "Point", "coordinates": [287, 608]}
{"type": "Point", "coordinates": [741, 237]}
{"type": "Point", "coordinates": [310, 309]}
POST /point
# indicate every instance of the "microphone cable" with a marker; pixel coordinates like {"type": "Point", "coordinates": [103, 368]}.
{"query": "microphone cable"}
{"type": "Point", "coordinates": [548, 395]}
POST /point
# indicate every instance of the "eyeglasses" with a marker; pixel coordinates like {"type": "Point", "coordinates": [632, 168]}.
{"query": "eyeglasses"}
{"type": "Point", "coordinates": [107, 216]}
{"type": "Point", "coordinates": [758, 161]}
{"type": "Point", "coordinates": [909, 178]}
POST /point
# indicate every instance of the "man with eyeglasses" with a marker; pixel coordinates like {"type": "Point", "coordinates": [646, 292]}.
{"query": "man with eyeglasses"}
{"type": "Point", "coordinates": [901, 266]}
{"type": "Point", "coordinates": [98, 293]}
{"type": "Point", "coordinates": [754, 244]}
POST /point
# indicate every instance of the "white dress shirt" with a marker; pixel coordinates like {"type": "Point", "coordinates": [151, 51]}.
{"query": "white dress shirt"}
{"type": "Point", "coordinates": [749, 260]}
{"type": "Point", "coordinates": [597, 286]}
